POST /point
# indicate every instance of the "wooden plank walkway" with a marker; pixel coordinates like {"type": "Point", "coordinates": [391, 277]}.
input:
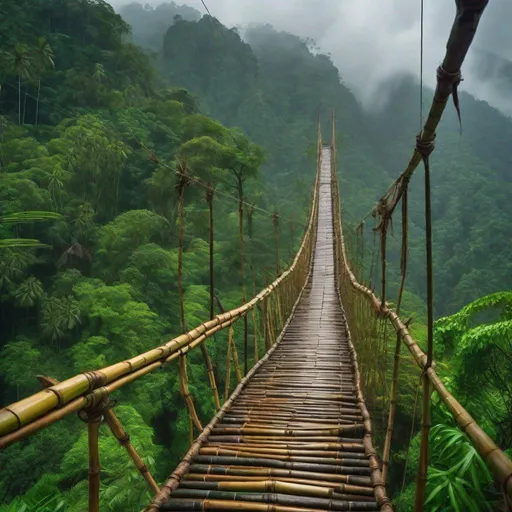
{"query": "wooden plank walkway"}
{"type": "Point", "coordinates": [293, 439]}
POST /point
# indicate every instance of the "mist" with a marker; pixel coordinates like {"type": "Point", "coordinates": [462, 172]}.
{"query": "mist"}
{"type": "Point", "coordinates": [373, 44]}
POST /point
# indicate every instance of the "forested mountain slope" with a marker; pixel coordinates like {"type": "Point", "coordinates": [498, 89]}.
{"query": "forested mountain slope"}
{"type": "Point", "coordinates": [79, 102]}
{"type": "Point", "coordinates": [274, 84]}
{"type": "Point", "coordinates": [88, 130]}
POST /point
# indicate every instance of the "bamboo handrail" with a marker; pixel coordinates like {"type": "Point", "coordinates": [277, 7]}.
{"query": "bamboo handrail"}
{"type": "Point", "coordinates": [175, 478]}
{"type": "Point", "coordinates": [37, 411]}
{"type": "Point", "coordinates": [497, 461]}
{"type": "Point", "coordinates": [462, 33]}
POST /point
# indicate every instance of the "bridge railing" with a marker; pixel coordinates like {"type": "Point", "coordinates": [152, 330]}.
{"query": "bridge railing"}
{"type": "Point", "coordinates": [88, 393]}
{"type": "Point", "coordinates": [371, 322]}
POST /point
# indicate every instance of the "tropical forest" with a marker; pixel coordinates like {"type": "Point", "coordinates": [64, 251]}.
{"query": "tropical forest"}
{"type": "Point", "coordinates": [157, 168]}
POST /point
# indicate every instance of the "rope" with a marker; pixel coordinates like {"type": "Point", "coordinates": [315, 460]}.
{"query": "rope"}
{"type": "Point", "coordinates": [421, 69]}
{"type": "Point", "coordinates": [451, 79]}
{"type": "Point", "coordinates": [206, 7]}
{"type": "Point", "coordinates": [410, 441]}
{"type": "Point", "coordinates": [201, 183]}
{"type": "Point", "coordinates": [212, 19]}
{"type": "Point", "coordinates": [425, 148]}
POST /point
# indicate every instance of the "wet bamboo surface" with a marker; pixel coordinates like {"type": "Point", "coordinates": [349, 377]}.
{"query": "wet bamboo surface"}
{"type": "Point", "coordinates": [293, 438]}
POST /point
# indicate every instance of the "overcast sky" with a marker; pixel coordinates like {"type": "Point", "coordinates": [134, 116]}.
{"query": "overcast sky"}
{"type": "Point", "coordinates": [373, 41]}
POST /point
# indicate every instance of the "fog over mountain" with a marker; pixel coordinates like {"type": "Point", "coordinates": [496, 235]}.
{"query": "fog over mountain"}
{"type": "Point", "coordinates": [374, 43]}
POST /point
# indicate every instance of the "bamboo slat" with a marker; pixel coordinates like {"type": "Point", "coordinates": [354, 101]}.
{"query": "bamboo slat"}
{"type": "Point", "coordinates": [44, 408]}
{"type": "Point", "coordinates": [295, 434]}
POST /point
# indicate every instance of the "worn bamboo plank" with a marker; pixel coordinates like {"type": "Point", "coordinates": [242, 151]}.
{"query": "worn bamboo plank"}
{"type": "Point", "coordinates": [295, 435]}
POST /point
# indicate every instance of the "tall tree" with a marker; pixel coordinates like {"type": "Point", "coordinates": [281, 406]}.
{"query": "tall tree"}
{"type": "Point", "coordinates": [244, 163]}
{"type": "Point", "coordinates": [21, 64]}
{"type": "Point", "coordinates": [206, 157]}
{"type": "Point", "coordinates": [43, 58]}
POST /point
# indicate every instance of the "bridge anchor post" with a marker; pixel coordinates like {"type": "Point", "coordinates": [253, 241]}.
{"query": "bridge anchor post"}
{"type": "Point", "coordinates": [93, 416]}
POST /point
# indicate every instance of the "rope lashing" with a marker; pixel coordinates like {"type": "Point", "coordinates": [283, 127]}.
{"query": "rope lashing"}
{"type": "Point", "coordinates": [450, 82]}
{"type": "Point", "coordinates": [425, 147]}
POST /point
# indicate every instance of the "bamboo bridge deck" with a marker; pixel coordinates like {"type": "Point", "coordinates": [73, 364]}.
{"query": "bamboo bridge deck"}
{"type": "Point", "coordinates": [293, 438]}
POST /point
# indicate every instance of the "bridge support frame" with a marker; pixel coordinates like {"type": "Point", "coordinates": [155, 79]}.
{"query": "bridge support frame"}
{"type": "Point", "coordinates": [93, 416]}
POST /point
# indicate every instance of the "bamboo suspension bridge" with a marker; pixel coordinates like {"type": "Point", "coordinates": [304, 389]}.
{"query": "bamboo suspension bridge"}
{"type": "Point", "coordinates": [296, 434]}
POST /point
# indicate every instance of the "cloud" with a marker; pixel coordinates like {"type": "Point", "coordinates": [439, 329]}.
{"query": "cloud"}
{"type": "Point", "coordinates": [373, 42]}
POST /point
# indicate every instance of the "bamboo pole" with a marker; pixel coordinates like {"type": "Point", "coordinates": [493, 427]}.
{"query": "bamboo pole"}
{"type": "Point", "coordinates": [124, 440]}
{"type": "Point", "coordinates": [29, 415]}
{"type": "Point", "coordinates": [119, 433]}
{"type": "Point", "coordinates": [499, 464]}
{"type": "Point", "coordinates": [421, 479]}
{"type": "Point", "coordinates": [209, 200]}
{"type": "Point", "coordinates": [234, 353]}
{"type": "Point", "coordinates": [275, 222]}
{"type": "Point", "coordinates": [228, 371]}
{"type": "Point", "coordinates": [183, 181]}
{"type": "Point", "coordinates": [185, 393]}
{"type": "Point", "coordinates": [211, 375]}
{"type": "Point", "coordinates": [254, 322]}
{"type": "Point", "coordinates": [242, 266]}
{"type": "Point", "coordinates": [93, 430]}
{"type": "Point", "coordinates": [177, 476]}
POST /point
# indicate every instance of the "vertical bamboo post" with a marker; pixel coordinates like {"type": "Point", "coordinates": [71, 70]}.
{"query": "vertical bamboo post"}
{"type": "Point", "coordinates": [234, 353]}
{"type": "Point", "coordinates": [254, 321]}
{"type": "Point", "coordinates": [118, 431]}
{"type": "Point", "coordinates": [265, 324]}
{"type": "Point", "coordinates": [92, 416]}
{"type": "Point", "coordinates": [93, 431]}
{"type": "Point", "coordinates": [185, 393]}
{"type": "Point", "coordinates": [228, 370]}
{"type": "Point", "coordinates": [209, 200]}
{"type": "Point", "coordinates": [396, 365]}
{"type": "Point", "coordinates": [246, 345]}
{"type": "Point", "coordinates": [242, 264]}
{"type": "Point", "coordinates": [250, 212]}
{"type": "Point", "coordinates": [279, 307]}
{"type": "Point", "coordinates": [211, 375]}
{"type": "Point", "coordinates": [270, 327]}
{"type": "Point", "coordinates": [275, 222]}
{"type": "Point", "coordinates": [255, 334]}
{"type": "Point", "coordinates": [183, 181]}
{"type": "Point", "coordinates": [421, 480]}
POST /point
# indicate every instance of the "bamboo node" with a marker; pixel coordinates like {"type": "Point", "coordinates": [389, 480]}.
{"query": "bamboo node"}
{"type": "Point", "coordinates": [96, 379]}
{"type": "Point", "coordinates": [382, 501]}
{"type": "Point", "coordinates": [125, 440]}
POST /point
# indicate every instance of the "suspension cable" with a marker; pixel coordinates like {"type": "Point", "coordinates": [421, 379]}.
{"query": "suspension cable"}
{"type": "Point", "coordinates": [421, 65]}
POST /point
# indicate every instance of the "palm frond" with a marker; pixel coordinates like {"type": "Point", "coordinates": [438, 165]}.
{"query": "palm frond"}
{"type": "Point", "coordinates": [9, 243]}
{"type": "Point", "coordinates": [32, 216]}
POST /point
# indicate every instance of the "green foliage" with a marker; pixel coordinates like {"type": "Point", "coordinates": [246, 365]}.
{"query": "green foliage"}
{"type": "Point", "coordinates": [459, 475]}
{"type": "Point", "coordinates": [473, 346]}
{"type": "Point", "coordinates": [91, 138]}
